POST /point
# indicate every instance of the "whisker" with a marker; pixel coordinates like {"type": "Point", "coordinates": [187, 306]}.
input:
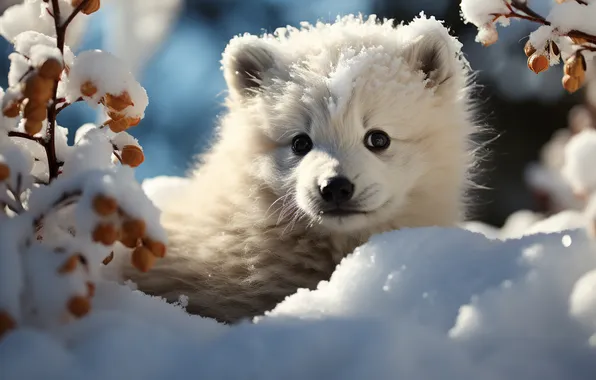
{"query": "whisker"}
{"type": "Point", "coordinates": [267, 216]}
{"type": "Point", "coordinates": [286, 208]}
{"type": "Point", "coordinates": [292, 223]}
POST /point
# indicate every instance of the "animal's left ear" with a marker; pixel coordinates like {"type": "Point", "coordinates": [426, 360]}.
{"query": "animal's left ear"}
{"type": "Point", "coordinates": [248, 62]}
{"type": "Point", "coordinates": [429, 48]}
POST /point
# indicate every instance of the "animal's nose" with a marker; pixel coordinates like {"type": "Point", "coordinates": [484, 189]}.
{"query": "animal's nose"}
{"type": "Point", "coordinates": [337, 190]}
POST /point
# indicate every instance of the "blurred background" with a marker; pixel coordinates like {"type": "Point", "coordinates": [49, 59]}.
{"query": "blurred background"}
{"type": "Point", "coordinates": [174, 48]}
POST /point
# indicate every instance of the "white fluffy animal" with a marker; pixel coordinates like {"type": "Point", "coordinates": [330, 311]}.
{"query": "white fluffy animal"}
{"type": "Point", "coordinates": [333, 133]}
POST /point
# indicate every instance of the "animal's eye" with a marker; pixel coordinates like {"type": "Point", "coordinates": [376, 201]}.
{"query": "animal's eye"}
{"type": "Point", "coordinates": [301, 144]}
{"type": "Point", "coordinates": [377, 140]}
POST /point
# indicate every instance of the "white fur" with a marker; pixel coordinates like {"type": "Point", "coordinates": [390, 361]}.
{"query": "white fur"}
{"type": "Point", "coordinates": [248, 230]}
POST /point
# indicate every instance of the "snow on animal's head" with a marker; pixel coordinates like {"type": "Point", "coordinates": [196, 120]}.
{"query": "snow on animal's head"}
{"type": "Point", "coordinates": [351, 118]}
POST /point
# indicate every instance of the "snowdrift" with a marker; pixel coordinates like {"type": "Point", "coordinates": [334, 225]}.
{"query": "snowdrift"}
{"type": "Point", "coordinates": [426, 303]}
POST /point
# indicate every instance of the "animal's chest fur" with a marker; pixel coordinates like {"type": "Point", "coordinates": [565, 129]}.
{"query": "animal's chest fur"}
{"type": "Point", "coordinates": [278, 267]}
{"type": "Point", "coordinates": [231, 273]}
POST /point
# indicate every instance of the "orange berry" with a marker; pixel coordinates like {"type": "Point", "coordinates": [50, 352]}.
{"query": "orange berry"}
{"type": "Point", "coordinates": [128, 240]}
{"type": "Point", "coordinates": [529, 49]}
{"type": "Point", "coordinates": [115, 115]}
{"type": "Point", "coordinates": [119, 125]}
{"type": "Point", "coordinates": [12, 110]}
{"type": "Point", "coordinates": [38, 88]}
{"type": "Point", "coordinates": [79, 306]}
{"type": "Point", "coordinates": [156, 247]}
{"type": "Point", "coordinates": [36, 112]}
{"type": "Point", "coordinates": [488, 35]}
{"type": "Point", "coordinates": [105, 233]}
{"type": "Point", "coordinates": [134, 228]}
{"type": "Point", "coordinates": [51, 69]}
{"type": "Point", "coordinates": [132, 156]}
{"type": "Point", "coordinates": [142, 259]}
{"type": "Point", "coordinates": [118, 102]}
{"type": "Point", "coordinates": [571, 84]}
{"type": "Point", "coordinates": [133, 121]}
{"type": "Point", "coordinates": [33, 127]}
{"type": "Point", "coordinates": [4, 171]}
{"type": "Point", "coordinates": [91, 6]}
{"type": "Point", "coordinates": [7, 323]}
{"type": "Point", "coordinates": [88, 89]}
{"type": "Point", "coordinates": [575, 65]}
{"type": "Point", "coordinates": [69, 265]}
{"type": "Point", "coordinates": [538, 63]}
{"type": "Point", "coordinates": [104, 205]}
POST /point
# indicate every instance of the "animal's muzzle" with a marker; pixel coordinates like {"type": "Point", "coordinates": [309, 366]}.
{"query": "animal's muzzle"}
{"type": "Point", "coordinates": [336, 190]}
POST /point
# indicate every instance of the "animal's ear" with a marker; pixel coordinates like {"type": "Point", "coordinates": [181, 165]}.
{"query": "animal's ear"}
{"type": "Point", "coordinates": [246, 63]}
{"type": "Point", "coordinates": [429, 48]}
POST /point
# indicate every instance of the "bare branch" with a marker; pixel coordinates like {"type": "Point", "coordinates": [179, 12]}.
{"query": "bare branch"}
{"type": "Point", "coordinates": [517, 6]}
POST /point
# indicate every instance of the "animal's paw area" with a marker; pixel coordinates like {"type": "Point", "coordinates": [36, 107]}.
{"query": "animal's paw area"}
{"type": "Point", "coordinates": [473, 302]}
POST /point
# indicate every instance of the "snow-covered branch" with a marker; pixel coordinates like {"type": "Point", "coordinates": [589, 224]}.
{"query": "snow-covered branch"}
{"type": "Point", "coordinates": [65, 209]}
{"type": "Point", "coordinates": [568, 32]}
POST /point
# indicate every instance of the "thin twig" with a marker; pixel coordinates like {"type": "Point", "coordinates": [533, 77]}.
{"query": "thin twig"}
{"type": "Point", "coordinates": [26, 73]}
{"type": "Point", "coordinates": [117, 156]}
{"type": "Point", "coordinates": [15, 206]}
{"type": "Point", "coordinates": [528, 14]}
{"type": "Point", "coordinates": [523, 6]}
{"type": "Point", "coordinates": [115, 152]}
{"type": "Point", "coordinates": [66, 104]}
{"type": "Point", "coordinates": [39, 181]}
{"type": "Point", "coordinates": [75, 12]}
{"type": "Point", "coordinates": [19, 184]}
{"type": "Point", "coordinates": [12, 208]}
{"type": "Point", "coordinates": [22, 135]}
{"type": "Point", "coordinates": [49, 144]}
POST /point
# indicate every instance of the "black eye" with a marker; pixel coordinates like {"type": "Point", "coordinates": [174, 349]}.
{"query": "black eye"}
{"type": "Point", "coordinates": [377, 140]}
{"type": "Point", "coordinates": [301, 144]}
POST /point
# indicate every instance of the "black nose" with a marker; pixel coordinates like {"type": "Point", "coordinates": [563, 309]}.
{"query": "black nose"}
{"type": "Point", "coordinates": [337, 190]}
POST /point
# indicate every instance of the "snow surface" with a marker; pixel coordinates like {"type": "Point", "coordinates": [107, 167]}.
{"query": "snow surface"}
{"type": "Point", "coordinates": [425, 303]}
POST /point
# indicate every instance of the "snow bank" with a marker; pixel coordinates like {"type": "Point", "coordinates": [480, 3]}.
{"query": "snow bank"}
{"type": "Point", "coordinates": [427, 303]}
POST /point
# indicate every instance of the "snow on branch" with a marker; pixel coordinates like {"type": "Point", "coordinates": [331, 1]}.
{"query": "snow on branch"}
{"type": "Point", "coordinates": [64, 208]}
{"type": "Point", "coordinates": [568, 32]}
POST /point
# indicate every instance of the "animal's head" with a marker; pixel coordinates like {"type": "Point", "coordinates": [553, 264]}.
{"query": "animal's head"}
{"type": "Point", "coordinates": [358, 123]}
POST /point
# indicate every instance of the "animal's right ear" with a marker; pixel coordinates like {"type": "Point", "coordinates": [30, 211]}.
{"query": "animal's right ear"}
{"type": "Point", "coordinates": [246, 63]}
